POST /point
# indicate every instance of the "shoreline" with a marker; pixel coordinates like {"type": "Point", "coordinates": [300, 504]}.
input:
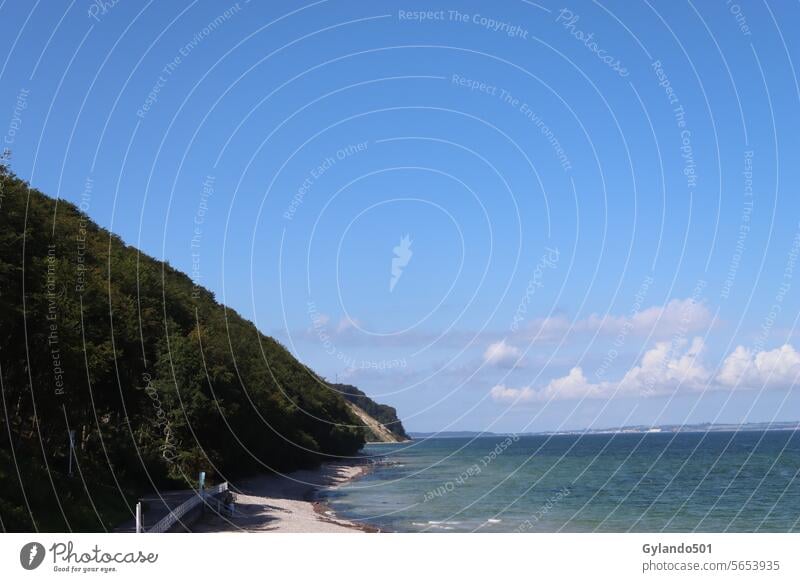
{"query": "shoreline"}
{"type": "Point", "coordinates": [290, 503]}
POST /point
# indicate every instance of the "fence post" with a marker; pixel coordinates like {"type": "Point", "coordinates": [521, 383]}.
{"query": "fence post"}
{"type": "Point", "coordinates": [139, 517]}
{"type": "Point", "coordinates": [202, 492]}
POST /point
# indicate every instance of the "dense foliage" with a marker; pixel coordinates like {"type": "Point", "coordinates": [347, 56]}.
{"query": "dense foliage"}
{"type": "Point", "coordinates": [383, 413]}
{"type": "Point", "coordinates": [157, 379]}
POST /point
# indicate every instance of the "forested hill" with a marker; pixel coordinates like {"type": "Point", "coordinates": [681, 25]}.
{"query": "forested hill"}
{"type": "Point", "coordinates": [157, 379]}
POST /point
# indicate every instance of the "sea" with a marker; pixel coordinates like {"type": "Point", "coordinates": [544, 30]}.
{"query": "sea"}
{"type": "Point", "coordinates": [739, 481]}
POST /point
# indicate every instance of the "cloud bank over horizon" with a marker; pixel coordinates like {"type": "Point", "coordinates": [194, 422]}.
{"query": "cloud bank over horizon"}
{"type": "Point", "coordinates": [667, 369]}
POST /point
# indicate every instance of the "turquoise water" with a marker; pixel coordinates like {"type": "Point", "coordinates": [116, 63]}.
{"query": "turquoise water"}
{"type": "Point", "coordinates": [708, 482]}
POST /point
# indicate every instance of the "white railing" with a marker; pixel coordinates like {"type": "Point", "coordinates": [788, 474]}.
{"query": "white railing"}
{"type": "Point", "coordinates": [216, 489]}
{"type": "Point", "coordinates": [176, 514]}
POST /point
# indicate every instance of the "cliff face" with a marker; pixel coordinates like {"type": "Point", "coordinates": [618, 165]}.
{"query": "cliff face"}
{"type": "Point", "coordinates": [375, 431]}
{"type": "Point", "coordinates": [380, 419]}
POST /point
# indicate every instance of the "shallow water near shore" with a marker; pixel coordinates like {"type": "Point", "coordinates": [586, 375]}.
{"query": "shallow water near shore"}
{"type": "Point", "coordinates": [708, 482]}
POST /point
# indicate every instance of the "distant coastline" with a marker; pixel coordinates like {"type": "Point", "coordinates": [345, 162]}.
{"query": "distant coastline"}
{"type": "Point", "coordinates": [634, 429]}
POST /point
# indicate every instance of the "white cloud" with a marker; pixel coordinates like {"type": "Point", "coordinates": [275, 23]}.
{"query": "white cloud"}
{"type": "Point", "coordinates": [501, 393]}
{"type": "Point", "coordinates": [679, 316]}
{"type": "Point", "coordinates": [665, 368]}
{"type": "Point", "coordinates": [503, 355]}
{"type": "Point", "coordinates": [735, 366]}
{"type": "Point", "coordinates": [572, 386]}
{"type": "Point", "coordinates": [778, 368]}
{"type": "Point", "coordinates": [668, 368]}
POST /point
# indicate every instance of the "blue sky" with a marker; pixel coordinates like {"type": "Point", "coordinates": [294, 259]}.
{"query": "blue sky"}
{"type": "Point", "coordinates": [599, 198]}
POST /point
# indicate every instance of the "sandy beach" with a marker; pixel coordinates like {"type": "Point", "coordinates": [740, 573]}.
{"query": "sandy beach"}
{"type": "Point", "coordinates": [287, 503]}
